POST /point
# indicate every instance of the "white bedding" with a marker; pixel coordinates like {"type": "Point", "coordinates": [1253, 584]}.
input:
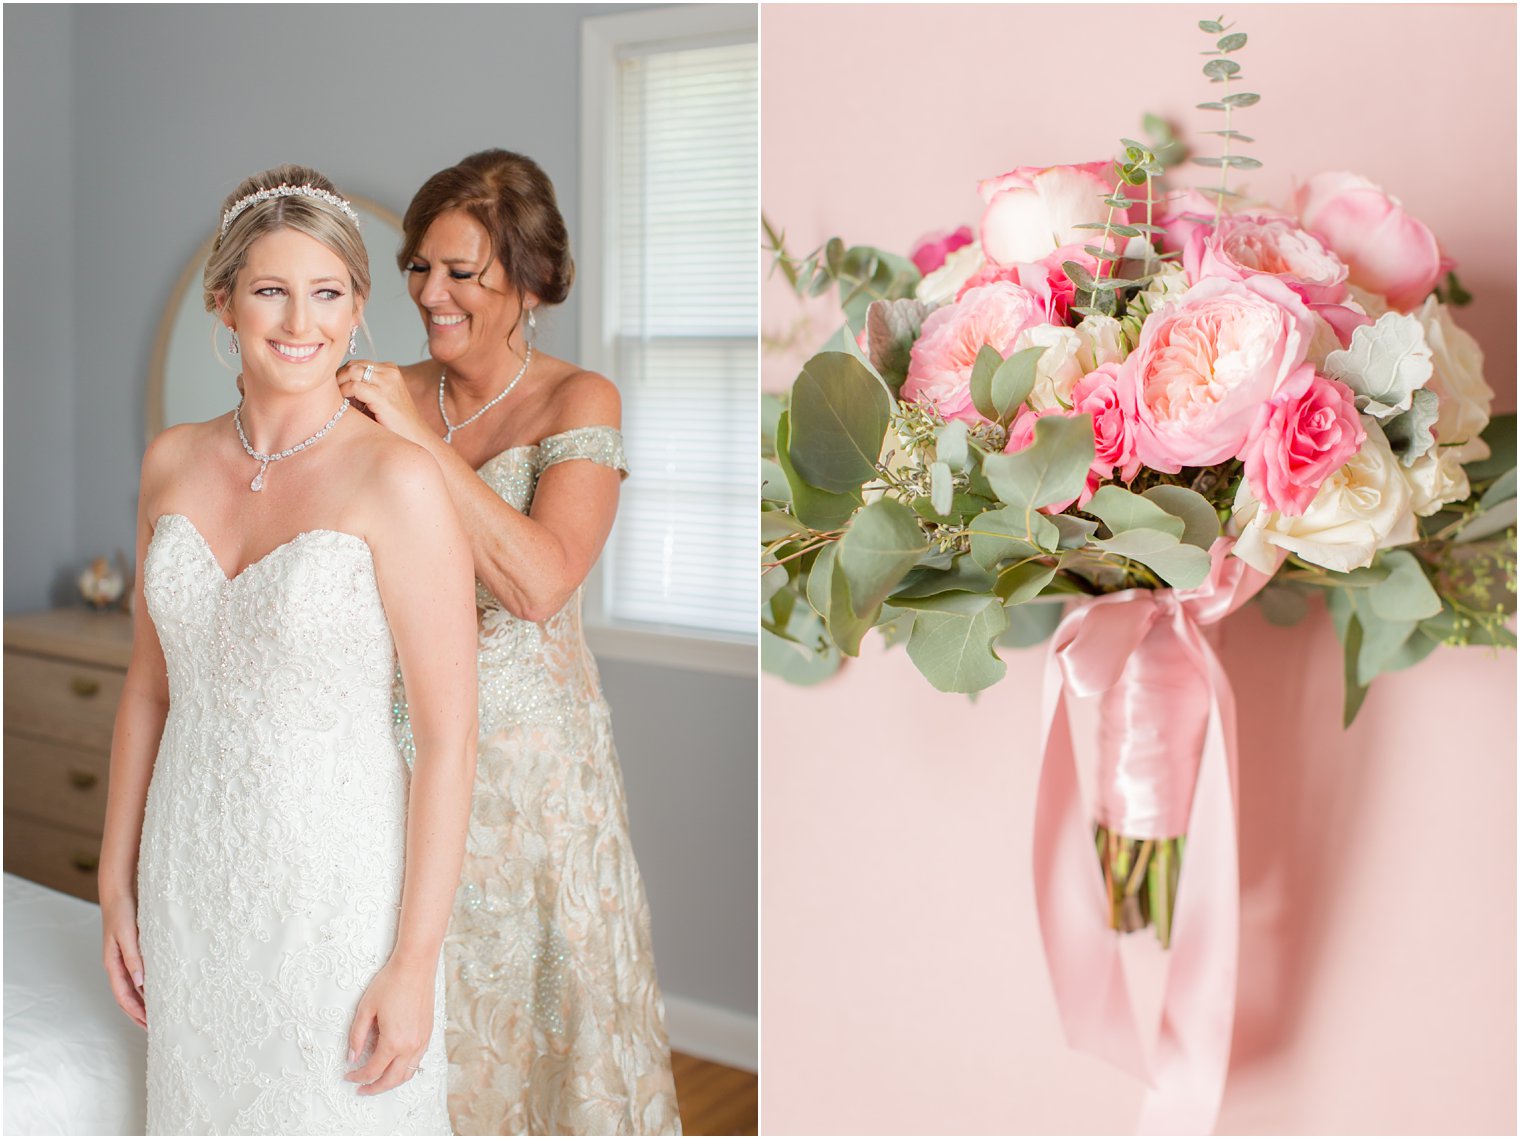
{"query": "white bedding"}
{"type": "Point", "coordinates": [74, 1063]}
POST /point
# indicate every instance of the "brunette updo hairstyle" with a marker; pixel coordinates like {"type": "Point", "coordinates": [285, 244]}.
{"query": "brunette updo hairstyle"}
{"type": "Point", "coordinates": [513, 200]}
{"type": "Point", "coordinates": [311, 216]}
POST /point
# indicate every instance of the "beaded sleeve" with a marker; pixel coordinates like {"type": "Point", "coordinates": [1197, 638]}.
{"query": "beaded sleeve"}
{"type": "Point", "coordinates": [599, 444]}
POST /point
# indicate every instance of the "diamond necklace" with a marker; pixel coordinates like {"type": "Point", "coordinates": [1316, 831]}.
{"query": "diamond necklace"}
{"type": "Point", "coordinates": [450, 428]}
{"type": "Point", "coordinates": [265, 460]}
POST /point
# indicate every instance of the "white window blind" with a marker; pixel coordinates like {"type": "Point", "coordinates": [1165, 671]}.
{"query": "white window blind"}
{"type": "Point", "coordinates": [683, 322]}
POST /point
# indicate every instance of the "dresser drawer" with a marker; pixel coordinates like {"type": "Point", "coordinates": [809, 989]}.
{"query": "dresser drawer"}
{"type": "Point", "coordinates": [57, 700]}
{"type": "Point", "coordinates": [56, 782]}
{"type": "Point", "coordinates": [54, 856]}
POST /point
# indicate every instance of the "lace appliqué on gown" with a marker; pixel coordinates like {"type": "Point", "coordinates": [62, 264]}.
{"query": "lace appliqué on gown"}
{"type": "Point", "coordinates": [556, 1026]}
{"type": "Point", "coordinates": [269, 878]}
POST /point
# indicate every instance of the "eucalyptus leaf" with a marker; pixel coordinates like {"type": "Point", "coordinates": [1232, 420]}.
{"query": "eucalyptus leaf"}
{"type": "Point", "coordinates": [881, 545]}
{"type": "Point", "coordinates": [771, 407]}
{"type": "Point", "coordinates": [1243, 99]}
{"type": "Point", "coordinates": [1356, 692]}
{"type": "Point", "coordinates": [1181, 567]}
{"type": "Point", "coordinates": [1489, 523]}
{"type": "Point", "coordinates": [1221, 69]}
{"type": "Point", "coordinates": [820, 580]}
{"type": "Point", "coordinates": [1074, 531]}
{"type": "Point", "coordinates": [1385, 364]}
{"type": "Point", "coordinates": [1010, 532]}
{"type": "Point", "coordinates": [952, 638]}
{"type": "Point", "coordinates": [1213, 27]}
{"type": "Point", "coordinates": [1501, 489]}
{"type": "Point", "coordinates": [891, 329]}
{"type": "Point", "coordinates": [805, 657]}
{"type": "Point", "coordinates": [1283, 604]}
{"type": "Point", "coordinates": [1023, 581]}
{"type": "Point", "coordinates": [1500, 437]}
{"type": "Point", "coordinates": [965, 576]}
{"type": "Point", "coordinates": [778, 524]}
{"type": "Point", "coordinates": [773, 484]}
{"type": "Point", "coordinates": [1199, 518]}
{"type": "Point", "coordinates": [1013, 381]}
{"type": "Point", "coordinates": [983, 368]}
{"type": "Point", "coordinates": [839, 417]}
{"type": "Point", "coordinates": [1052, 469]}
{"type": "Point", "coordinates": [1031, 623]}
{"type": "Point", "coordinates": [1121, 510]}
{"type": "Point", "coordinates": [848, 625]}
{"type": "Point", "coordinates": [1232, 42]}
{"type": "Point", "coordinates": [950, 444]}
{"type": "Point", "coordinates": [941, 487]}
{"type": "Point", "coordinates": [1419, 646]}
{"type": "Point", "coordinates": [1381, 640]}
{"type": "Point", "coordinates": [1405, 594]}
{"type": "Point", "coordinates": [772, 582]}
{"type": "Point", "coordinates": [1077, 275]}
{"type": "Point", "coordinates": [818, 509]}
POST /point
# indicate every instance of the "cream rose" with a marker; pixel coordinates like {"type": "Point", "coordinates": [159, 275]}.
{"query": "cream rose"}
{"type": "Point", "coordinates": [1058, 369]}
{"type": "Point", "coordinates": [1457, 378]}
{"type": "Point", "coordinates": [1436, 478]}
{"type": "Point", "coordinates": [941, 286]}
{"type": "Point", "coordinates": [1102, 342]}
{"type": "Point", "coordinates": [1364, 507]}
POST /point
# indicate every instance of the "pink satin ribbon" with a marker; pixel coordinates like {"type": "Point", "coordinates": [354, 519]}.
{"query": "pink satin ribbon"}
{"type": "Point", "coordinates": [1144, 651]}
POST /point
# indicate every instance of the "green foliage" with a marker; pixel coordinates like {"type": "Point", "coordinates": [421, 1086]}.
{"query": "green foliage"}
{"type": "Point", "coordinates": [839, 415]}
{"type": "Point", "coordinates": [952, 640]}
{"type": "Point", "coordinates": [881, 545]}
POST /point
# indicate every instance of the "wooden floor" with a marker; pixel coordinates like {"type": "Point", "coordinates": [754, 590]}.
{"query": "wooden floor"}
{"type": "Point", "coordinates": [714, 1099]}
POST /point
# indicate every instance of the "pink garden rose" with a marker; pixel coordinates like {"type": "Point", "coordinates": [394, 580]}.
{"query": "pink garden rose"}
{"type": "Point", "coordinates": [930, 252]}
{"type": "Point", "coordinates": [1034, 210]}
{"type": "Point", "coordinates": [1299, 439]}
{"type": "Point", "coordinates": [1386, 250]}
{"type": "Point", "coordinates": [1109, 398]}
{"type": "Point", "coordinates": [1262, 242]}
{"type": "Point", "coordinates": [1046, 278]}
{"type": "Point", "coordinates": [940, 362]}
{"type": "Point", "coordinates": [1205, 364]}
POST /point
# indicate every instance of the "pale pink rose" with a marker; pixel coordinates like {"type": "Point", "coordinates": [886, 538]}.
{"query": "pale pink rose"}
{"type": "Point", "coordinates": [1386, 250]}
{"type": "Point", "coordinates": [1034, 210]}
{"type": "Point", "coordinates": [939, 365]}
{"type": "Point", "coordinates": [1205, 364]}
{"type": "Point", "coordinates": [930, 251]}
{"type": "Point", "coordinates": [1107, 396]}
{"type": "Point", "coordinates": [1263, 242]}
{"type": "Point", "coordinates": [1300, 439]}
{"type": "Point", "coordinates": [1021, 435]}
{"type": "Point", "coordinates": [1181, 216]}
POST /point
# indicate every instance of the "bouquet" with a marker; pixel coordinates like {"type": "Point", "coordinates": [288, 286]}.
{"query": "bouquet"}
{"type": "Point", "coordinates": [1116, 411]}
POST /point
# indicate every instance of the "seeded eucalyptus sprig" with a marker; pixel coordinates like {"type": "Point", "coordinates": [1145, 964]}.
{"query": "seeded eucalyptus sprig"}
{"type": "Point", "coordinates": [1138, 166]}
{"type": "Point", "coordinates": [1221, 69]}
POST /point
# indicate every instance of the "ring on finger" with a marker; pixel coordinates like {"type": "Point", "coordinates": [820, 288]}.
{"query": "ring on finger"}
{"type": "Point", "coordinates": [369, 370]}
{"type": "Point", "coordinates": [415, 1069]}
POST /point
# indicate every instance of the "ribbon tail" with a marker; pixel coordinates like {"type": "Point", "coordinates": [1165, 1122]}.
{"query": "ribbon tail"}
{"type": "Point", "coordinates": [1081, 952]}
{"type": "Point", "coordinates": [1192, 1054]}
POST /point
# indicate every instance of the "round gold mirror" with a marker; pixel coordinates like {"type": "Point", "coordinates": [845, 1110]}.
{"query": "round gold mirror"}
{"type": "Point", "coordinates": [190, 381]}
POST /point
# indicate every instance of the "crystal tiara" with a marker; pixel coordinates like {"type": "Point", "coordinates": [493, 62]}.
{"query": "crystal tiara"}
{"type": "Point", "coordinates": [286, 191]}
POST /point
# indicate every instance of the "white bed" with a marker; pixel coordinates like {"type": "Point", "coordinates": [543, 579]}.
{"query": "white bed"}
{"type": "Point", "coordinates": [74, 1063]}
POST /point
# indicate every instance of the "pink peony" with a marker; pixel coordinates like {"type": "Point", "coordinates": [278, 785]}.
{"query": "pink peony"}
{"type": "Point", "coordinates": [1109, 398]}
{"type": "Point", "coordinates": [930, 252]}
{"type": "Point", "coordinates": [1387, 251]}
{"type": "Point", "coordinates": [1205, 364]}
{"type": "Point", "coordinates": [1045, 278]}
{"type": "Point", "coordinates": [1183, 215]}
{"type": "Point", "coordinates": [939, 365]}
{"type": "Point", "coordinates": [1034, 210]}
{"type": "Point", "coordinates": [1261, 242]}
{"type": "Point", "coordinates": [1300, 439]}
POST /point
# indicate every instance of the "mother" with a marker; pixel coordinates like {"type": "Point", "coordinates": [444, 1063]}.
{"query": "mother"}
{"type": "Point", "coordinates": [555, 1020]}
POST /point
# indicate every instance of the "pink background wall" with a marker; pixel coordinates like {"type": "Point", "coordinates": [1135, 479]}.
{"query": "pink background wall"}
{"type": "Point", "coordinates": [903, 986]}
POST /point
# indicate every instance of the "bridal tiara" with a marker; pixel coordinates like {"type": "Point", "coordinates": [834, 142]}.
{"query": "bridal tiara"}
{"type": "Point", "coordinates": [286, 191]}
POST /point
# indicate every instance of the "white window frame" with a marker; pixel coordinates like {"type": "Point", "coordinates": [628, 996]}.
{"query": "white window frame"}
{"type": "Point", "coordinates": [602, 39]}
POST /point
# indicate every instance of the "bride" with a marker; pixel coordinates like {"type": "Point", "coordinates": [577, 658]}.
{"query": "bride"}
{"type": "Point", "coordinates": [274, 883]}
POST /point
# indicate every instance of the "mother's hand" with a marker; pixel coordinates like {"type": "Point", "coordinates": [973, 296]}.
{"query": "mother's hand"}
{"type": "Point", "coordinates": [381, 391]}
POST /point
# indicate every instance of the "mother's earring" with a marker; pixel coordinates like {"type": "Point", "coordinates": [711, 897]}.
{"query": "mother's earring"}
{"type": "Point", "coordinates": [232, 345]}
{"type": "Point", "coordinates": [532, 324]}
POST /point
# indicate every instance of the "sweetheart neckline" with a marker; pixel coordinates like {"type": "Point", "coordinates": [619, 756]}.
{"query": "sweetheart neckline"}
{"type": "Point", "coordinates": [211, 554]}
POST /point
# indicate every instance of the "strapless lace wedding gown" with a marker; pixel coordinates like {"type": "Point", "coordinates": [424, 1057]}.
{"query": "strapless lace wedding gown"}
{"type": "Point", "coordinates": [556, 1026]}
{"type": "Point", "coordinates": [269, 879]}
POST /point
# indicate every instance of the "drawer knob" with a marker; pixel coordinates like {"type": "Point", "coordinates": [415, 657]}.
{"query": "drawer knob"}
{"type": "Point", "coordinates": [84, 780]}
{"type": "Point", "coordinates": [86, 863]}
{"type": "Point", "coordinates": [85, 687]}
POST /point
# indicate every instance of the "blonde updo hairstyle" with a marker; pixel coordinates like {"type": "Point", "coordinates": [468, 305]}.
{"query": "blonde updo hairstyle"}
{"type": "Point", "coordinates": [513, 200]}
{"type": "Point", "coordinates": [312, 216]}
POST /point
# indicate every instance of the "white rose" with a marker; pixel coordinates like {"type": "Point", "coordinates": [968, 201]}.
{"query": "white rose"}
{"type": "Point", "coordinates": [1059, 369]}
{"type": "Point", "coordinates": [1364, 507]}
{"type": "Point", "coordinates": [1435, 479]}
{"type": "Point", "coordinates": [1102, 342]}
{"type": "Point", "coordinates": [1373, 304]}
{"type": "Point", "coordinates": [1169, 283]}
{"type": "Point", "coordinates": [941, 286]}
{"type": "Point", "coordinates": [1457, 378]}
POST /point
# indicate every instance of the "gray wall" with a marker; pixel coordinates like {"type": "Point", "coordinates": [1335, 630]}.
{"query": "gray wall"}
{"type": "Point", "coordinates": [126, 125]}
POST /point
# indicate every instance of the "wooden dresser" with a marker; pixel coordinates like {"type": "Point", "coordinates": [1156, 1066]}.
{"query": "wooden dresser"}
{"type": "Point", "coordinates": [63, 677]}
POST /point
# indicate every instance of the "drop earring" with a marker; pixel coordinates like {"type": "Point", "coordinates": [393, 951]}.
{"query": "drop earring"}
{"type": "Point", "coordinates": [232, 341]}
{"type": "Point", "coordinates": [532, 326]}
{"type": "Point", "coordinates": [353, 341]}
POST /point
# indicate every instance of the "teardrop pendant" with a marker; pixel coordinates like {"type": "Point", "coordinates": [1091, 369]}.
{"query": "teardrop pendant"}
{"type": "Point", "coordinates": [258, 479]}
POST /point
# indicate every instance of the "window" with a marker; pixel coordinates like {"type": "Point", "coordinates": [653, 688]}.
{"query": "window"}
{"type": "Point", "coordinates": [669, 254]}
